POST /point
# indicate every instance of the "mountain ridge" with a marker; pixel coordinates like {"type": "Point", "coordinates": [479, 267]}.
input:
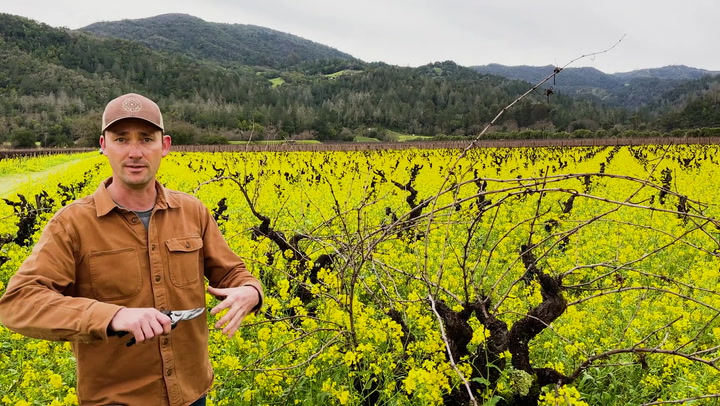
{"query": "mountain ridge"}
{"type": "Point", "coordinates": [527, 72]}
{"type": "Point", "coordinates": [230, 44]}
{"type": "Point", "coordinates": [532, 72]}
{"type": "Point", "coordinates": [225, 43]}
{"type": "Point", "coordinates": [667, 72]}
{"type": "Point", "coordinates": [631, 89]}
{"type": "Point", "coordinates": [55, 81]}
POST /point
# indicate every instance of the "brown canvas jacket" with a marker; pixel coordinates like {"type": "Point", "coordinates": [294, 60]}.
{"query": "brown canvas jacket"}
{"type": "Point", "coordinates": [93, 258]}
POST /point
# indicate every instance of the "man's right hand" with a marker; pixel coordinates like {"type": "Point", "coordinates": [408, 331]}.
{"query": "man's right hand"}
{"type": "Point", "coordinates": [143, 323]}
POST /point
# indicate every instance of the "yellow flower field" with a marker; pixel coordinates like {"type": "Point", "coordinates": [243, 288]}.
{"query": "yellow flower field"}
{"type": "Point", "coordinates": [550, 276]}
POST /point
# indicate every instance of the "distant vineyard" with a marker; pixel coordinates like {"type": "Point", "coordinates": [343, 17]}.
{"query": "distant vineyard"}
{"type": "Point", "coordinates": [508, 276]}
{"type": "Point", "coordinates": [482, 143]}
{"type": "Point", "coordinates": [373, 146]}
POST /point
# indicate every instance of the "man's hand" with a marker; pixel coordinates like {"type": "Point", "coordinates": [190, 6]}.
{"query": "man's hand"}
{"type": "Point", "coordinates": [143, 323]}
{"type": "Point", "coordinates": [239, 301]}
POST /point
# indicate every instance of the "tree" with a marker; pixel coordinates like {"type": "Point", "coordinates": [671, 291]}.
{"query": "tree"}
{"type": "Point", "coordinates": [213, 140]}
{"type": "Point", "coordinates": [182, 133]}
{"type": "Point", "coordinates": [23, 139]}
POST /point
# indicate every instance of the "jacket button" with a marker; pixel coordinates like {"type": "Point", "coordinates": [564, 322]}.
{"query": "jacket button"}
{"type": "Point", "coordinates": [187, 245]}
{"type": "Point", "coordinates": [152, 247]}
{"type": "Point", "coordinates": [169, 372]}
{"type": "Point", "coordinates": [134, 220]}
{"type": "Point", "coordinates": [158, 278]}
{"type": "Point", "coordinates": [165, 341]}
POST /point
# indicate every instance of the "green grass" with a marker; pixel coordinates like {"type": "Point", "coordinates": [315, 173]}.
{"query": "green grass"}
{"type": "Point", "coordinates": [401, 137]}
{"type": "Point", "coordinates": [342, 72]}
{"type": "Point", "coordinates": [408, 137]}
{"type": "Point", "coordinates": [277, 81]}
{"type": "Point", "coordinates": [365, 139]}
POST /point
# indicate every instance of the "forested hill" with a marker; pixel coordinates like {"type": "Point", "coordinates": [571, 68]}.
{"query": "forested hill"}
{"type": "Point", "coordinates": [55, 82]}
{"type": "Point", "coordinates": [223, 43]}
{"type": "Point", "coordinates": [631, 90]}
{"type": "Point", "coordinates": [592, 77]}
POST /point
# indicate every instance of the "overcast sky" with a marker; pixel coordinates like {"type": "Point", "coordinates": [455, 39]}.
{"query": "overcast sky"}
{"type": "Point", "coordinates": [470, 32]}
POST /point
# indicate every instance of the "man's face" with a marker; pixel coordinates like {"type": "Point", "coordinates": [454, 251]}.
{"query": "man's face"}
{"type": "Point", "coordinates": [134, 148]}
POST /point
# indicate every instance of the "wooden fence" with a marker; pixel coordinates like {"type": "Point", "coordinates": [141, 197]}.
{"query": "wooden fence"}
{"type": "Point", "coordinates": [448, 144]}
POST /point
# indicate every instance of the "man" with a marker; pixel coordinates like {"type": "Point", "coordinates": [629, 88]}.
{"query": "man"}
{"type": "Point", "coordinates": [112, 261]}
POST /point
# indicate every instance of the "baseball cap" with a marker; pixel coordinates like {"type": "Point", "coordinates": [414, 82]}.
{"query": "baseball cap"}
{"type": "Point", "coordinates": [132, 105]}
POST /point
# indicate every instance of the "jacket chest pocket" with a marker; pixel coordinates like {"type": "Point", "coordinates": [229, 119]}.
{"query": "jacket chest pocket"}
{"type": "Point", "coordinates": [115, 274]}
{"type": "Point", "coordinates": [185, 260]}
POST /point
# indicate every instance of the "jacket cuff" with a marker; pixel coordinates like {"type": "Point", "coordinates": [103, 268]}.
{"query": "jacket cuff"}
{"type": "Point", "coordinates": [99, 319]}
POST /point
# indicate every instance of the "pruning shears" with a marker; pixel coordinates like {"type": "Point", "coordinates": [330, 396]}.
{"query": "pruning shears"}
{"type": "Point", "coordinates": [175, 315]}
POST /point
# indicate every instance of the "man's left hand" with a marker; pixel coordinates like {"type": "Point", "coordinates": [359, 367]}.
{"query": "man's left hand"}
{"type": "Point", "coordinates": [239, 301]}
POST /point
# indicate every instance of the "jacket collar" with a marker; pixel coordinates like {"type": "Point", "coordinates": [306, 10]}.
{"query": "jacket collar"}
{"type": "Point", "coordinates": [104, 204]}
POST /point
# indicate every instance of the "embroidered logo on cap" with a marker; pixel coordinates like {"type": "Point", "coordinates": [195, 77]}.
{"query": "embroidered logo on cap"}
{"type": "Point", "coordinates": [132, 104]}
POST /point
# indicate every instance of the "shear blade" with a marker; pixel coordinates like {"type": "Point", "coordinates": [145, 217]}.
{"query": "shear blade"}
{"type": "Point", "coordinates": [180, 315]}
